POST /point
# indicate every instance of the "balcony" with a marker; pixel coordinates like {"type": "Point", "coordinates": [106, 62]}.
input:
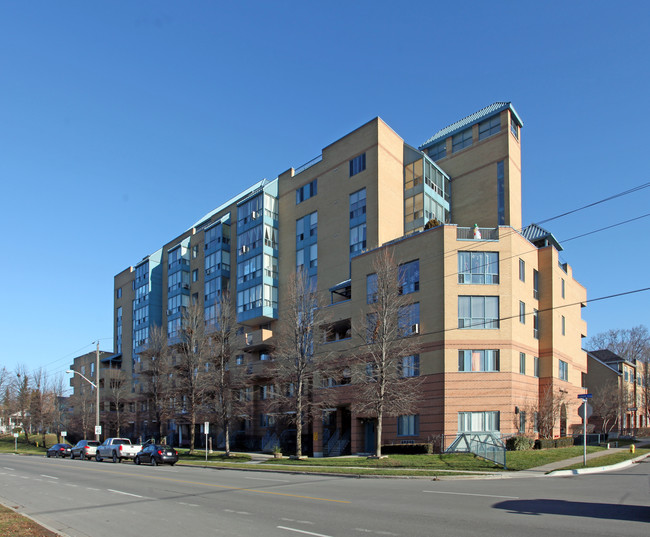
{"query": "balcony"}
{"type": "Point", "coordinates": [257, 339]}
{"type": "Point", "coordinates": [484, 234]}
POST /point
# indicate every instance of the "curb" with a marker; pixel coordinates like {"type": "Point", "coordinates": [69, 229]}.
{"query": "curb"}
{"type": "Point", "coordinates": [597, 469]}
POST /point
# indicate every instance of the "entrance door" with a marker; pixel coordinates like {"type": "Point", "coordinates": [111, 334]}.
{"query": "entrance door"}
{"type": "Point", "coordinates": [369, 437]}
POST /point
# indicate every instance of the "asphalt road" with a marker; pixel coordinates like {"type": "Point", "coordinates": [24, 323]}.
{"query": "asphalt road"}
{"type": "Point", "coordinates": [90, 499]}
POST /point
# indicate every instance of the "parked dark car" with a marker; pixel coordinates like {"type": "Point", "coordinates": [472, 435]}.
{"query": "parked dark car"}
{"type": "Point", "coordinates": [59, 450]}
{"type": "Point", "coordinates": [156, 454]}
{"type": "Point", "coordinates": [84, 449]}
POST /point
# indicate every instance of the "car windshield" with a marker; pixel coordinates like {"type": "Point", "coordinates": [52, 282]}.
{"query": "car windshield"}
{"type": "Point", "coordinates": [93, 443]}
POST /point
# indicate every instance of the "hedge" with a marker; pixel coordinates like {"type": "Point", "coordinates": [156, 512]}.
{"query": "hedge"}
{"type": "Point", "coordinates": [547, 443]}
{"type": "Point", "coordinates": [407, 449]}
{"type": "Point", "coordinates": [519, 443]}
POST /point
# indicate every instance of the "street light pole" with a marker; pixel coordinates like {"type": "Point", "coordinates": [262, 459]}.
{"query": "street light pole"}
{"type": "Point", "coordinates": [96, 386]}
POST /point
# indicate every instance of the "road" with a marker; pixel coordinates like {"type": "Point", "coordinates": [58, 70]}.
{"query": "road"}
{"type": "Point", "coordinates": [90, 499]}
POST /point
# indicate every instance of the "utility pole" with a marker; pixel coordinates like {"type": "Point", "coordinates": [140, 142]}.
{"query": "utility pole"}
{"type": "Point", "coordinates": [97, 425]}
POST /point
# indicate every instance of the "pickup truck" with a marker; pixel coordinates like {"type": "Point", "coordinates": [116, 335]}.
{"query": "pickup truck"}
{"type": "Point", "coordinates": [117, 449]}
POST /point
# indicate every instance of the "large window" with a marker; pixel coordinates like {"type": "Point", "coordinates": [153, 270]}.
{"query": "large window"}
{"type": "Point", "coordinates": [478, 312]}
{"type": "Point", "coordinates": [461, 140]}
{"type": "Point", "coordinates": [478, 360]}
{"type": "Point", "coordinates": [408, 318]}
{"type": "Point", "coordinates": [307, 227]}
{"type": "Point", "coordinates": [489, 127]}
{"type": "Point", "coordinates": [478, 422]}
{"type": "Point", "coordinates": [410, 366]}
{"type": "Point", "coordinates": [478, 267]}
{"type": "Point", "coordinates": [409, 277]}
{"type": "Point", "coordinates": [514, 128]}
{"type": "Point", "coordinates": [358, 204]}
{"type": "Point", "coordinates": [438, 150]}
{"type": "Point", "coordinates": [249, 299]}
{"type": "Point", "coordinates": [522, 363]}
{"type": "Point", "coordinates": [249, 269]}
{"type": "Point", "coordinates": [307, 191]}
{"type": "Point", "coordinates": [357, 238]}
{"type": "Point", "coordinates": [249, 240]}
{"type": "Point", "coordinates": [247, 212]}
{"type": "Point", "coordinates": [357, 164]}
{"type": "Point", "coordinates": [408, 425]}
{"type": "Point", "coordinates": [371, 288]}
{"type": "Point", "coordinates": [563, 370]}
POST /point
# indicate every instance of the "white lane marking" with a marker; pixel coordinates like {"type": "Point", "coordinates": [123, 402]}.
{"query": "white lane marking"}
{"type": "Point", "coordinates": [90, 488]}
{"type": "Point", "coordinates": [303, 532]}
{"type": "Point", "coordinates": [49, 476]}
{"type": "Point", "coordinates": [470, 494]}
{"type": "Point", "coordinates": [364, 530]}
{"type": "Point", "coordinates": [189, 504]}
{"type": "Point", "coordinates": [7, 468]}
{"type": "Point", "coordinates": [125, 493]}
{"type": "Point", "coordinates": [266, 479]}
{"type": "Point", "coordinates": [304, 522]}
{"type": "Point", "coordinates": [70, 485]}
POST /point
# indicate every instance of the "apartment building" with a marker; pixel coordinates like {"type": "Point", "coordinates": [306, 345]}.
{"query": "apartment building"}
{"type": "Point", "coordinates": [493, 312]}
{"type": "Point", "coordinates": [618, 387]}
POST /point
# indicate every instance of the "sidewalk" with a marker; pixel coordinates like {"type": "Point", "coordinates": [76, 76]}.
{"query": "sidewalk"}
{"type": "Point", "coordinates": [554, 466]}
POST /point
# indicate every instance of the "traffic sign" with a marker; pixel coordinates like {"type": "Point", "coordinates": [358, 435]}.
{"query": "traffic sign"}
{"type": "Point", "coordinates": [585, 396]}
{"type": "Point", "coordinates": [632, 409]}
{"type": "Point", "coordinates": [581, 411]}
{"type": "Point", "coordinates": [98, 429]}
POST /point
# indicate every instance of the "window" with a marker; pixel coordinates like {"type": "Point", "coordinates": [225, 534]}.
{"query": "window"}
{"type": "Point", "coordinates": [438, 151]}
{"type": "Point", "coordinates": [522, 312]}
{"type": "Point", "coordinates": [461, 140]}
{"type": "Point", "coordinates": [267, 391]}
{"type": "Point", "coordinates": [478, 312]}
{"type": "Point", "coordinates": [358, 204]}
{"type": "Point", "coordinates": [514, 128]}
{"type": "Point", "coordinates": [535, 284]}
{"type": "Point", "coordinates": [195, 275]}
{"type": "Point", "coordinates": [408, 425]}
{"type": "Point", "coordinates": [409, 277]}
{"type": "Point", "coordinates": [239, 359]}
{"type": "Point", "coordinates": [410, 366]}
{"type": "Point", "coordinates": [563, 325]}
{"type": "Point", "coordinates": [118, 293]}
{"type": "Point", "coordinates": [357, 238]}
{"type": "Point", "coordinates": [195, 251]}
{"type": "Point", "coordinates": [489, 127]}
{"type": "Point", "coordinates": [478, 267]}
{"type": "Point", "coordinates": [478, 360]}
{"type": "Point", "coordinates": [306, 191]}
{"type": "Point", "coordinates": [357, 164]}
{"type": "Point", "coordinates": [408, 319]}
{"type": "Point", "coordinates": [563, 370]}
{"type": "Point", "coordinates": [249, 270]}
{"type": "Point", "coordinates": [338, 330]}
{"type": "Point", "coordinates": [535, 324]}
{"type": "Point", "coordinates": [536, 367]}
{"type": "Point", "coordinates": [522, 363]}
{"type": "Point", "coordinates": [249, 299]}
{"type": "Point", "coordinates": [522, 270]}
{"type": "Point", "coordinates": [522, 422]}
{"type": "Point", "coordinates": [535, 422]}
{"type": "Point", "coordinates": [478, 421]}
{"type": "Point", "coordinates": [248, 211]}
{"type": "Point", "coordinates": [267, 420]}
{"type": "Point", "coordinates": [371, 288]}
{"type": "Point", "coordinates": [307, 227]}
{"type": "Point", "coordinates": [562, 287]}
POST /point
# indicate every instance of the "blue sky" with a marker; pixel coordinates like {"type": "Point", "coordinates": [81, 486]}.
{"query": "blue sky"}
{"type": "Point", "coordinates": [110, 111]}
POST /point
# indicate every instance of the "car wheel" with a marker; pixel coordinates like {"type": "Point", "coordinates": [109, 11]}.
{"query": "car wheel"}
{"type": "Point", "coordinates": [98, 458]}
{"type": "Point", "coordinates": [115, 457]}
{"type": "Point", "coordinates": [72, 455]}
{"type": "Point", "coordinates": [154, 462]}
{"type": "Point", "coordinates": [172, 463]}
{"type": "Point", "coordinates": [137, 460]}
{"type": "Point", "coordinates": [58, 454]}
{"type": "Point", "coordinates": [48, 454]}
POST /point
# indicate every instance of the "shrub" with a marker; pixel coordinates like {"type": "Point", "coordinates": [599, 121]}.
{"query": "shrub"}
{"type": "Point", "coordinates": [547, 443]}
{"type": "Point", "coordinates": [407, 449]}
{"type": "Point", "coordinates": [519, 443]}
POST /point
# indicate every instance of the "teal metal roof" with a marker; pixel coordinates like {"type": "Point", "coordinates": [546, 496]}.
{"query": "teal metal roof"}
{"type": "Point", "coordinates": [470, 120]}
{"type": "Point", "coordinates": [540, 237]}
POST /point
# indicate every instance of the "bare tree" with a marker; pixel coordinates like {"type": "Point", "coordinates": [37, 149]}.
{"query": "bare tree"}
{"type": "Point", "coordinates": [117, 395]}
{"type": "Point", "coordinates": [606, 403]}
{"type": "Point", "coordinates": [631, 344]}
{"type": "Point", "coordinates": [156, 372]}
{"type": "Point", "coordinates": [193, 352]}
{"type": "Point", "coordinates": [41, 404]}
{"type": "Point", "coordinates": [382, 388]}
{"type": "Point", "coordinates": [22, 398]}
{"type": "Point", "coordinates": [225, 380]}
{"type": "Point", "coordinates": [551, 403]}
{"type": "Point", "coordinates": [295, 368]}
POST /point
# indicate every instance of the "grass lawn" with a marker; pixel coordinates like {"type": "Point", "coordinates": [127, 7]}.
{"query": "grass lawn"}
{"type": "Point", "coordinates": [608, 460]}
{"type": "Point", "coordinates": [14, 525]}
{"type": "Point", "coordinates": [7, 444]}
{"type": "Point", "coordinates": [216, 457]}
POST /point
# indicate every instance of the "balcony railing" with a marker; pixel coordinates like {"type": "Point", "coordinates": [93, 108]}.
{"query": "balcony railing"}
{"type": "Point", "coordinates": [484, 234]}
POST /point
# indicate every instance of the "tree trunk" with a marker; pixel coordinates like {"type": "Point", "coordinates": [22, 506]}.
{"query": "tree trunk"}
{"type": "Point", "coordinates": [226, 430]}
{"type": "Point", "coordinates": [299, 421]}
{"type": "Point", "coordinates": [380, 417]}
{"type": "Point", "coordinates": [192, 433]}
